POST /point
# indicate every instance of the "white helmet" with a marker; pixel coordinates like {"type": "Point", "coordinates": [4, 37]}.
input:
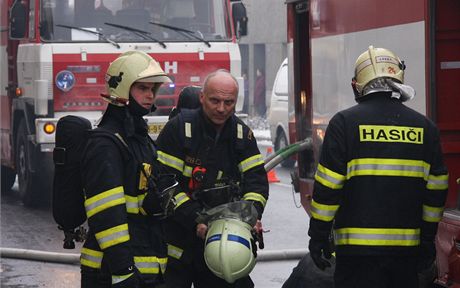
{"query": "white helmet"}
{"type": "Point", "coordinates": [379, 69]}
{"type": "Point", "coordinates": [229, 251]}
{"type": "Point", "coordinates": [130, 67]}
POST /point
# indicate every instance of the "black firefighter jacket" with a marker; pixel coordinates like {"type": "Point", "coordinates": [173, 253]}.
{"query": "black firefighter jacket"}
{"type": "Point", "coordinates": [115, 186]}
{"type": "Point", "coordinates": [214, 152]}
{"type": "Point", "coordinates": [380, 181]}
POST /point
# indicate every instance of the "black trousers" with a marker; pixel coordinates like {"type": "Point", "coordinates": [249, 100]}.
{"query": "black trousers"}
{"type": "Point", "coordinates": [95, 278]}
{"type": "Point", "coordinates": [376, 272]}
{"type": "Point", "coordinates": [181, 275]}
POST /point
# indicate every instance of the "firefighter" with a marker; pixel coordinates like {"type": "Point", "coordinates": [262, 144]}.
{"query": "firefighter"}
{"type": "Point", "coordinates": [380, 183]}
{"type": "Point", "coordinates": [124, 248]}
{"type": "Point", "coordinates": [208, 148]}
{"type": "Point", "coordinates": [189, 98]}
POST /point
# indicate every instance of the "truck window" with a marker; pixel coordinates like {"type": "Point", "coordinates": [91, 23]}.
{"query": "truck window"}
{"type": "Point", "coordinates": [18, 16]}
{"type": "Point", "coordinates": [206, 19]}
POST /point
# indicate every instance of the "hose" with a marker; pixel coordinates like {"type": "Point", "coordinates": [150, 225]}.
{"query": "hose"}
{"type": "Point", "coordinates": [280, 255]}
{"type": "Point", "coordinates": [45, 256]}
{"type": "Point", "coordinates": [74, 259]}
{"type": "Point", "coordinates": [272, 160]}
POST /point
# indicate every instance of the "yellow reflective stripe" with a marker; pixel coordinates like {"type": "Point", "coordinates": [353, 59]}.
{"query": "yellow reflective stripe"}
{"type": "Point", "coordinates": [329, 178]}
{"type": "Point", "coordinates": [120, 278]}
{"type": "Point", "coordinates": [150, 264]}
{"type": "Point", "coordinates": [91, 258]}
{"type": "Point", "coordinates": [239, 131]}
{"type": "Point", "coordinates": [187, 171]}
{"type": "Point", "coordinates": [104, 200]}
{"type": "Point", "coordinates": [254, 196]}
{"type": "Point", "coordinates": [251, 162]}
{"type": "Point", "coordinates": [174, 252]}
{"type": "Point", "coordinates": [440, 182]}
{"type": "Point", "coordinates": [322, 211]}
{"type": "Point", "coordinates": [377, 237]}
{"type": "Point", "coordinates": [170, 161]}
{"type": "Point", "coordinates": [133, 203]}
{"type": "Point", "coordinates": [387, 167]}
{"type": "Point", "coordinates": [219, 175]}
{"type": "Point", "coordinates": [432, 214]}
{"type": "Point", "coordinates": [113, 236]}
{"type": "Point", "coordinates": [163, 263]}
{"type": "Point", "coordinates": [188, 129]}
{"type": "Point", "coordinates": [181, 198]}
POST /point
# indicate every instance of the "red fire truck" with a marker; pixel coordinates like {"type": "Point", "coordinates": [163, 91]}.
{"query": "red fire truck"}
{"type": "Point", "coordinates": [324, 39]}
{"type": "Point", "coordinates": [54, 54]}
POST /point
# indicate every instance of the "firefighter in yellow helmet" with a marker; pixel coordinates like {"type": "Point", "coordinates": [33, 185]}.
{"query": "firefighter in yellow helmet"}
{"type": "Point", "coordinates": [380, 184]}
{"type": "Point", "coordinates": [125, 247]}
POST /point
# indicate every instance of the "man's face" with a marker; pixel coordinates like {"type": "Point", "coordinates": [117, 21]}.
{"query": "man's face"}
{"type": "Point", "coordinates": [218, 99]}
{"type": "Point", "coordinates": [143, 93]}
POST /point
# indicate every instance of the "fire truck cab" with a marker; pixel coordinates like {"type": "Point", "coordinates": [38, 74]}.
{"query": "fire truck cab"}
{"type": "Point", "coordinates": [325, 38]}
{"type": "Point", "coordinates": [54, 54]}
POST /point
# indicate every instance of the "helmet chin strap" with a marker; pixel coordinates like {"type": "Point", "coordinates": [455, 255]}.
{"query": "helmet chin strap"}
{"type": "Point", "coordinates": [403, 92]}
{"type": "Point", "coordinates": [135, 108]}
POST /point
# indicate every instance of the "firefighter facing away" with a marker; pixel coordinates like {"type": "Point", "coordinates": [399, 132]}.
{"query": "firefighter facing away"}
{"type": "Point", "coordinates": [125, 248]}
{"type": "Point", "coordinates": [380, 184]}
{"type": "Point", "coordinates": [207, 149]}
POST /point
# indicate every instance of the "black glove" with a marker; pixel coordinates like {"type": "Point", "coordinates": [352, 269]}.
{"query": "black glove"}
{"type": "Point", "coordinates": [127, 278]}
{"type": "Point", "coordinates": [318, 248]}
{"type": "Point", "coordinates": [158, 201]}
{"type": "Point", "coordinates": [426, 255]}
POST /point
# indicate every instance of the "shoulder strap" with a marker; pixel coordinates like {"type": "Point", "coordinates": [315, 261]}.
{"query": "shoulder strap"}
{"type": "Point", "coordinates": [115, 137]}
{"type": "Point", "coordinates": [238, 130]}
{"type": "Point", "coordinates": [186, 126]}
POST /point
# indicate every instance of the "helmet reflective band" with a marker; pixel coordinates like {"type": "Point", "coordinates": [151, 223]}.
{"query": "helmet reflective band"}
{"type": "Point", "coordinates": [128, 68]}
{"type": "Point", "coordinates": [228, 252]}
{"type": "Point", "coordinates": [377, 63]}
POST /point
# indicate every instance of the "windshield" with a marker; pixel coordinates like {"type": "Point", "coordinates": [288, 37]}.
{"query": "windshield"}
{"type": "Point", "coordinates": [152, 20]}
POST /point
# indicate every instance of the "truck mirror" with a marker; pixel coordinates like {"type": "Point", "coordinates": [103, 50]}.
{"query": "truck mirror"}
{"type": "Point", "coordinates": [18, 17]}
{"type": "Point", "coordinates": [240, 19]}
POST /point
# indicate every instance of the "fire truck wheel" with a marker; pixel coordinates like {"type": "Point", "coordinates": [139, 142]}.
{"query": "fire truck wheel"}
{"type": "Point", "coordinates": [34, 187]}
{"type": "Point", "coordinates": [280, 143]}
{"type": "Point", "coordinates": [8, 179]}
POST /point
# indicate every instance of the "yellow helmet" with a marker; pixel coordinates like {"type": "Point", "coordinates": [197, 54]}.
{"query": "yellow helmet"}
{"type": "Point", "coordinates": [130, 67]}
{"type": "Point", "coordinates": [376, 63]}
{"type": "Point", "coordinates": [229, 252]}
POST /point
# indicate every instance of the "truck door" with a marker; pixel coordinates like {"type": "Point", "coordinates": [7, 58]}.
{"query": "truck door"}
{"type": "Point", "coordinates": [446, 108]}
{"type": "Point", "coordinates": [445, 111]}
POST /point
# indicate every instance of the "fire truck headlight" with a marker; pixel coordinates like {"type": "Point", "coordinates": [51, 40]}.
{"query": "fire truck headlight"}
{"type": "Point", "coordinates": [49, 128]}
{"type": "Point", "coordinates": [65, 80]}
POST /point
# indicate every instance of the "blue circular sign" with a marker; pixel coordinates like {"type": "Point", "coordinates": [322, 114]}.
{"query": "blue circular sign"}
{"type": "Point", "coordinates": [65, 80]}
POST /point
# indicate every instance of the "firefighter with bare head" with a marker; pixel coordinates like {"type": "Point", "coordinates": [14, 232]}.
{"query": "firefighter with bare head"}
{"type": "Point", "coordinates": [380, 185]}
{"type": "Point", "coordinates": [215, 157]}
{"type": "Point", "coordinates": [125, 247]}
